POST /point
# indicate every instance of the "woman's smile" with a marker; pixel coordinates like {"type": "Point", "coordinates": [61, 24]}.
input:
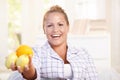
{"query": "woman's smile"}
{"type": "Point", "coordinates": [56, 36]}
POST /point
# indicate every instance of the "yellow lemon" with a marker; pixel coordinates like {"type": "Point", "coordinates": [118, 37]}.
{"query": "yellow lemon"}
{"type": "Point", "coordinates": [11, 58]}
{"type": "Point", "coordinates": [22, 61]}
{"type": "Point", "coordinates": [24, 49]}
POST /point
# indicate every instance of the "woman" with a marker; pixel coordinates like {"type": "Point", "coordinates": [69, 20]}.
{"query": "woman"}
{"type": "Point", "coordinates": [57, 60]}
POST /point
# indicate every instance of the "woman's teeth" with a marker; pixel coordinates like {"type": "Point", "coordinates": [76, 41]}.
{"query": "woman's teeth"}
{"type": "Point", "coordinates": [54, 36]}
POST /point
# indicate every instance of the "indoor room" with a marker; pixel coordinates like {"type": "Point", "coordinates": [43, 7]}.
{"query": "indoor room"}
{"type": "Point", "coordinates": [93, 25]}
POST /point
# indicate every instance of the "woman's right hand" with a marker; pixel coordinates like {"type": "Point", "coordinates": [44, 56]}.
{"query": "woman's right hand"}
{"type": "Point", "coordinates": [28, 72]}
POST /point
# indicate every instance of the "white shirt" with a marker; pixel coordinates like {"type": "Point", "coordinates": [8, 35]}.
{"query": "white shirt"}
{"type": "Point", "coordinates": [67, 71]}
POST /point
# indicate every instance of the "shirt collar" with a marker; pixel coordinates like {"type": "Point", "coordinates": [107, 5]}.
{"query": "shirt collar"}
{"type": "Point", "coordinates": [51, 52]}
{"type": "Point", "coordinates": [71, 50]}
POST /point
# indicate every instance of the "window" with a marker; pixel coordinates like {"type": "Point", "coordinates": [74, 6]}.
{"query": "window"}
{"type": "Point", "coordinates": [90, 18]}
{"type": "Point", "coordinates": [90, 9]}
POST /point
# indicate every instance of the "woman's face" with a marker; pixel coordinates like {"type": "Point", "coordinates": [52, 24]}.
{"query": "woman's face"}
{"type": "Point", "coordinates": [56, 28]}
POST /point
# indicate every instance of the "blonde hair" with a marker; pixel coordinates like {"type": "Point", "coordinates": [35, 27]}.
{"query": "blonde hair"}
{"type": "Point", "coordinates": [58, 9]}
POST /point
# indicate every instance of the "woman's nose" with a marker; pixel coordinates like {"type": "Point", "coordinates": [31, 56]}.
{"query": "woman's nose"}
{"type": "Point", "coordinates": [56, 28]}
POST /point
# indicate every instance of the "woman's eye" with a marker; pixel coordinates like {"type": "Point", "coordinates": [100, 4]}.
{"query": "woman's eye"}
{"type": "Point", "coordinates": [49, 25]}
{"type": "Point", "coordinates": [60, 24]}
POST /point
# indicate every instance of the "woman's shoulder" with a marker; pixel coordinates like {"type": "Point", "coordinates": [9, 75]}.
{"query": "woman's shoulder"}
{"type": "Point", "coordinates": [79, 50]}
{"type": "Point", "coordinates": [40, 46]}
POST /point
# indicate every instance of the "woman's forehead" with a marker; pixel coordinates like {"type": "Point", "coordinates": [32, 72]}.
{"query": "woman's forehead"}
{"type": "Point", "coordinates": [55, 17]}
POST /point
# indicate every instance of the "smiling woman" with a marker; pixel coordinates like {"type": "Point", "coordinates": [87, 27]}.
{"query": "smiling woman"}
{"type": "Point", "coordinates": [51, 59]}
{"type": "Point", "coordinates": [102, 14]}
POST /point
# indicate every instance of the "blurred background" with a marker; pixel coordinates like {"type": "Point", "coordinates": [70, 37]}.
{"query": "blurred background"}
{"type": "Point", "coordinates": [94, 24]}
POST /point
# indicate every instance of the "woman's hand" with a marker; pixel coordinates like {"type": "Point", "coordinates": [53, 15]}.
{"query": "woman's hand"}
{"type": "Point", "coordinates": [28, 72]}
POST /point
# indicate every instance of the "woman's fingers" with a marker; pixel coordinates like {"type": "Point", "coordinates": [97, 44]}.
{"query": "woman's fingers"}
{"type": "Point", "coordinates": [19, 69]}
{"type": "Point", "coordinates": [26, 68]}
{"type": "Point", "coordinates": [13, 67]}
{"type": "Point", "coordinates": [30, 60]}
{"type": "Point", "coordinates": [22, 70]}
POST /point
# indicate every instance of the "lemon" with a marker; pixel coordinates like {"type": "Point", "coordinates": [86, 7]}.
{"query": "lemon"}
{"type": "Point", "coordinates": [11, 58]}
{"type": "Point", "coordinates": [22, 61]}
{"type": "Point", "coordinates": [24, 49]}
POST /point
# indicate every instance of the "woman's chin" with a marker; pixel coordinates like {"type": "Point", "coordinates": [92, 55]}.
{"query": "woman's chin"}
{"type": "Point", "coordinates": [55, 43]}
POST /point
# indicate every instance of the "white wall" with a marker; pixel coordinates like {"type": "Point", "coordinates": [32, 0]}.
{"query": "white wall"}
{"type": "Point", "coordinates": [116, 34]}
{"type": "Point", "coordinates": [31, 20]}
{"type": "Point", "coordinates": [3, 32]}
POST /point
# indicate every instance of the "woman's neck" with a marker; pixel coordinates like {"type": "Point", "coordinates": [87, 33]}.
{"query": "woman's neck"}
{"type": "Point", "coordinates": [61, 50]}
